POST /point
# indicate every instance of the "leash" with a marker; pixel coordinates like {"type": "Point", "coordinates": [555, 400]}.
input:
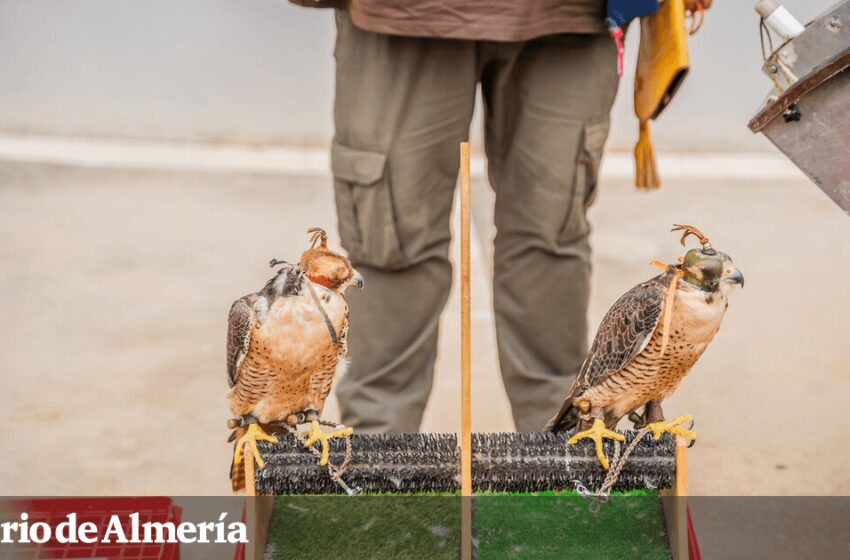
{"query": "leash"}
{"type": "Point", "coordinates": [617, 463]}
{"type": "Point", "coordinates": [328, 323]}
{"type": "Point", "coordinates": [334, 471]}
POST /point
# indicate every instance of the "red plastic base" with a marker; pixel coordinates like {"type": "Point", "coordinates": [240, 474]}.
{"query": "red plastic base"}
{"type": "Point", "coordinates": [98, 511]}
{"type": "Point", "coordinates": [693, 545]}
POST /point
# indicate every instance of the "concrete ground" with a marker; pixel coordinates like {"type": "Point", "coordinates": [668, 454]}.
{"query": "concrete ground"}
{"type": "Point", "coordinates": [115, 286]}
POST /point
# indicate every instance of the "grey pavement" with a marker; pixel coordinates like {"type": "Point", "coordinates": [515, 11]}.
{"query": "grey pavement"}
{"type": "Point", "coordinates": [115, 286]}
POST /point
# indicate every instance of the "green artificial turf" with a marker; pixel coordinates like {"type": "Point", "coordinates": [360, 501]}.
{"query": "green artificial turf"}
{"type": "Point", "coordinates": [365, 527]}
{"type": "Point", "coordinates": [549, 526]}
{"type": "Point", "coordinates": [528, 526]}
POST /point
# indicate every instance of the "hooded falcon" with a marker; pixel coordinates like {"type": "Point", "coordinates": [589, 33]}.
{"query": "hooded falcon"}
{"type": "Point", "coordinates": [647, 342]}
{"type": "Point", "coordinates": [285, 344]}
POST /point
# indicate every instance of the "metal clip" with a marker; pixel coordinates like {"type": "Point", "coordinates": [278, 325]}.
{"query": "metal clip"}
{"type": "Point", "coordinates": [348, 490]}
{"type": "Point", "coordinates": [596, 500]}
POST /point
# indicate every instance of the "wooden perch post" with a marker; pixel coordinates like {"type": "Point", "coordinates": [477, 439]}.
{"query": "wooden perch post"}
{"type": "Point", "coordinates": [258, 510]}
{"type": "Point", "coordinates": [465, 361]}
{"type": "Point", "coordinates": [675, 504]}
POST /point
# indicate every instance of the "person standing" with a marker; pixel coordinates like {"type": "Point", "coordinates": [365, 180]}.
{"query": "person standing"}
{"type": "Point", "coordinates": [406, 78]}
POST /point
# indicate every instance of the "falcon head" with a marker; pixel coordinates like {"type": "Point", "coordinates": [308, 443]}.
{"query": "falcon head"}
{"type": "Point", "coordinates": [326, 268]}
{"type": "Point", "coordinates": [707, 268]}
{"type": "Point", "coordinates": [710, 271]}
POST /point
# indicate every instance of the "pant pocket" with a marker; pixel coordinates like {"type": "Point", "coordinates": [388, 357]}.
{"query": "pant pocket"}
{"type": "Point", "coordinates": [587, 166]}
{"type": "Point", "coordinates": [365, 208]}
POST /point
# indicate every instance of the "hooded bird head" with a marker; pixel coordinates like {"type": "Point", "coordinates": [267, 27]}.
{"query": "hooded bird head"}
{"type": "Point", "coordinates": [706, 268]}
{"type": "Point", "coordinates": [326, 268]}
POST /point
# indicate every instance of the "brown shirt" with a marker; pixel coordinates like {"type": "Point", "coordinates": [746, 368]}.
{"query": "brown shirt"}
{"type": "Point", "coordinates": [489, 20]}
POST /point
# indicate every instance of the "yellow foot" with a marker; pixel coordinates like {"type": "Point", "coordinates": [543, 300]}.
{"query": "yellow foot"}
{"type": "Point", "coordinates": [597, 432]}
{"type": "Point", "coordinates": [317, 434]}
{"type": "Point", "coordinates": [252, 435]}
{"type": "Point", "coordinates": [674, 428]}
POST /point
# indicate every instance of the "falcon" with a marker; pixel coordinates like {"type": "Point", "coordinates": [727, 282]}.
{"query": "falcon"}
{"type": "Point", "coordinates": [285, 345]}
{"type": "Point", "coordinates": [647, 342]}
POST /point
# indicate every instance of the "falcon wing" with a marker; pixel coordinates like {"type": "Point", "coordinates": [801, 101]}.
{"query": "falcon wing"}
{"type": "Point", "coordinates": [240, 323]}
{"type": "Point", "coordinates": [623, 334]}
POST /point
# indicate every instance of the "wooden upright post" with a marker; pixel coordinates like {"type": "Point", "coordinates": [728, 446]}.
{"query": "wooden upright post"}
{"type": "Point", "coordinates": [258, 510]}
{"type": "Point", "coordinates": [465, 361]}
{"type": "Point", "coordinates": [252, 549]}
{"type": "Point", "coordinates": [675, 504]}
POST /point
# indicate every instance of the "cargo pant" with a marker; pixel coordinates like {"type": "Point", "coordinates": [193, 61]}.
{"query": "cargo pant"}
{"type": "Point", "coordinates": [402, 106]}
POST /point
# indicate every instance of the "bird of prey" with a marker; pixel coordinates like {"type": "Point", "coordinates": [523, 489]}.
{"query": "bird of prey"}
{"type": "Point", "coordinates": [647, 342]}
{"type": "Point", "coordinates": [285, 344]}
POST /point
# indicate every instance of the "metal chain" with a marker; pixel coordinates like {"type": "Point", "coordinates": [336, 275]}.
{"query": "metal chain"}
{"type": "Point", "coordinates": [337, 472]}
{"type": "Point", "coordinates": [334, 471]}
{"type": "Point", "coordinates": [617, 463]}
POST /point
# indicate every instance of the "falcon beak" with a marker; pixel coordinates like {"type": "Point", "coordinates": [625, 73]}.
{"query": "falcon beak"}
{"type": "Point", "coordinates": [736, 277]}
{"type": "Point", "coordinates": [358, 280]}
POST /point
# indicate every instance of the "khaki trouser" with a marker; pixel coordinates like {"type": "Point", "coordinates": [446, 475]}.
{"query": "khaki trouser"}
{"type": "Point", "coordinates": [402, 106]}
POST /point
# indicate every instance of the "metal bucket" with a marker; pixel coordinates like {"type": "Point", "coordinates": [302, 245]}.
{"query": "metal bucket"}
{"type": "Point", "coordinates": [809, 121]}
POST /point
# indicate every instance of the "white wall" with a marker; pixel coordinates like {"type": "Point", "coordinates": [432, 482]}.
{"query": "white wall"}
{"type": "Point", "coordinates": [261, 71]}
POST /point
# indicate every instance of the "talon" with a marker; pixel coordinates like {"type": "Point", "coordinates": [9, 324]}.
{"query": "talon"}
{"type": "Point", "coordinates": [675, 428]}
{"type": "Point", "coordinates": [597, 432]}
{"type": "Point", "coordinates": [251, 436]}
{"type": "Point", "coordinates": [317, 434]}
